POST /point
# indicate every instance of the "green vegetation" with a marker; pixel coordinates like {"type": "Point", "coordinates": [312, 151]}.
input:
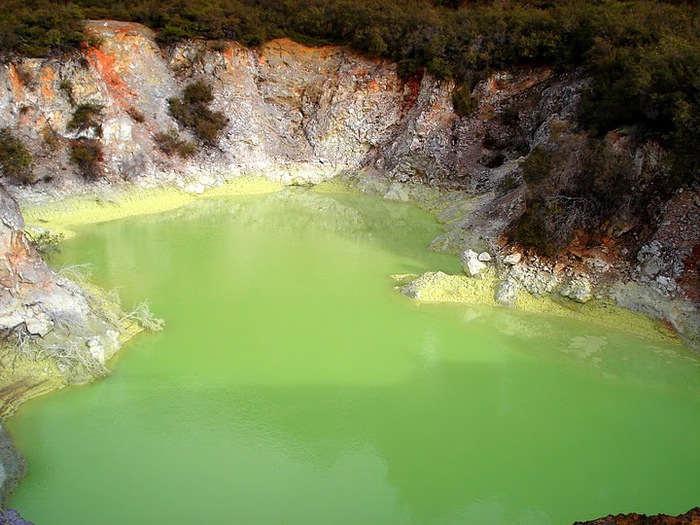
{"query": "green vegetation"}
{"type": "Point", "coordinates": [575, 185]}
{"type": "Point", "coordinates": [462, 100]}
{"type": "Point", "coordinates": [15, 159]}
{"type": "Point", "coordinates": [86, 154]}
{"type": "Point", "coordinates": [39, 27]}
{"type": "Point", "coordinates": [86, 119]}
{"type": "Point", "coordinates": [641, 57]}
{"type": "Point", "coordinates": [171, 144]}
{"type": "Point", "coordinates": [192, 110]}
{"type": "Point", "coordinates": [45, 242]}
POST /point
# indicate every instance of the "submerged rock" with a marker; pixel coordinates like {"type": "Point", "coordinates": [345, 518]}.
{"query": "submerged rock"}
{"type": "Point", "coordinates": [12, 517]}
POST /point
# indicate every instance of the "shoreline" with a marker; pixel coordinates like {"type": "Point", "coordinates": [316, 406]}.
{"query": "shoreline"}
{"type": "Point", "coordinates": [126, 201]}
{"type": "Point", "coordinates": [65, 215]}
{"type": "Point", "coordinates": [62, 216]}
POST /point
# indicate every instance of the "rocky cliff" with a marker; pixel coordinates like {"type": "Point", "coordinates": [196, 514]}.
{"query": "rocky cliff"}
{"type": "Point", "coordinates": [303, 115]}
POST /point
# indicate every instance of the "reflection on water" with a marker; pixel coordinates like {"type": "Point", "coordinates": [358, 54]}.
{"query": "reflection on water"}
{"type": "Point", "coordinates": [293, 385]}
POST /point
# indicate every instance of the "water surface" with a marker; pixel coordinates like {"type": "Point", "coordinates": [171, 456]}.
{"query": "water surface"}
{"type": "Point", "coordinates": [292, 385]}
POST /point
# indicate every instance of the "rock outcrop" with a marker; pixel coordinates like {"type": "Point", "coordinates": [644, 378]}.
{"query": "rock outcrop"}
{"type": "Point", "coordinates": [692, 517]}
{"type": "Point", "coordinates": [12, 466]}
{"type": "Point", "coordinates": [53, 331]}
{"type": "Point", "coordinates": [302, 115]}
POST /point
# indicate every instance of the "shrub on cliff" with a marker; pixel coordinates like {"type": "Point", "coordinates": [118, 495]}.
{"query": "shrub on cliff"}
{"type": "Point", "coordinates": [40, 27]}
{"type": "Point", "coordinates": [575, 185]}
{"type": "Point", "coordinates": [15, 159]}
{"type": "Point", "coordinates": [86, 119]}
{"type": "Point", "coordinates": [463, 102]}
{"type": "Point", "coordinates": [171, 144]}
{"type": "Point", "coordinates": [192, 111]}
{"type": "Point", "coordinates": [86, 155]}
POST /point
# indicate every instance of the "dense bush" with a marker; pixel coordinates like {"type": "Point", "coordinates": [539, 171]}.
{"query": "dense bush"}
{"type": "Point", "coordinates": [171, 144]}
{"type": "Point", "coordinates": [641, 56]}
{"type": "Point", "coordinates": [39, 27]}
{"type": "Point", "coordinates": [86, 154]}
{"type": "Point", "coordinates": [15, 159]}
{"type": "Point", "coordinates": [537, 166]}
{"type": "Point", "coordinates": [575, 185]}
{"type": "Point", "coordinates": [463, 102]}
{"type": "Point", "coordinates": [192, 110]}
{"type": "Point", "coordinates": [87, 118]}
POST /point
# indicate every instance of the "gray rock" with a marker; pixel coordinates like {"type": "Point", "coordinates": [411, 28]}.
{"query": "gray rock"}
{"type": "Point", "coordinates": [471, 264]}
{"type": "Point", "coordinates": [650, 259]}
{"type": "Point", "coordinates": [12, 466]}
{"type": "Point", "coordinates": [647, 299]}
{"type": "Point", "coordinates": [578, 289]}
{"type": "Point", "coordinates": [12, 517]}
{"type": "Point", "coordinates": [537, 282]}
{"type": "Point", "coordinates": [507, 292]}
{"type": "Point", "coordinates": [512, 259]}
{"type": "Point", "coordinates": [484, 257]}
{"type": "Point", "coordinates": [397, 192]}
{"type": "Point", "coordinates": [96, 349]}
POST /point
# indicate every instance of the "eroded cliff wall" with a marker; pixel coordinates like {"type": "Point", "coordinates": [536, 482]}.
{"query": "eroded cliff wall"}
{"type": "Point", "coordinates": [300, 114]}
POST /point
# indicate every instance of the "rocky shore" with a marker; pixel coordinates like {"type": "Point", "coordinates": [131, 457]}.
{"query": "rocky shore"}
{"type": "Point", "coordinates": [692, 517]}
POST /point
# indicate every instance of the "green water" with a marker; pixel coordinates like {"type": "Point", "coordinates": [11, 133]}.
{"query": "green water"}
{"type": "Point", "coordinates": [292, 385]}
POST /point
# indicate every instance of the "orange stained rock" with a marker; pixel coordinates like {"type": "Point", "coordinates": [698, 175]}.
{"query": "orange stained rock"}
{"type": "Point", "coordinates": [46, 79]}
{"type": "Point", "coordinates": [104, 64]}
{"type": "Point", "coordinates": [16, 84]}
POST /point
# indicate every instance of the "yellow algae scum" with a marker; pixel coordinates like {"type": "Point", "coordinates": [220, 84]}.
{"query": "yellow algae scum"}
{"type": "Point", "coordinates": [433, 287]}
{"type": "Point", "coordinates": [438, 287]}
{"type": "Point", "coordinates": [62, 216]}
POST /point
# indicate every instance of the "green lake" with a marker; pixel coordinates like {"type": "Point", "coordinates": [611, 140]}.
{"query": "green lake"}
{"type": "Point", "coordinates": [293, 385]}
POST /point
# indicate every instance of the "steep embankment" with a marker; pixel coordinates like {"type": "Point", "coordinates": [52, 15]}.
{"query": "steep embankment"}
{"type": "Point", "coordinates": [303, 115]}
{"type": "Point", "coordinates": [53, 331]}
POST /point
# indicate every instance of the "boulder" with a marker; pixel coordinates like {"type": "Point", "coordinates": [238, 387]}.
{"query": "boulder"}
{"type": "Point", "coordinates": [507, 292]}
{"type": "Point", "coordinates": [471, 264]}
{"type": "Point", "coordinates": [512, 259]}
{"type": "Point", "coordinates": [578, 289]}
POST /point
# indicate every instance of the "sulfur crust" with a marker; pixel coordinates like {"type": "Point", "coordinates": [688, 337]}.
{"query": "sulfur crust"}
{"type": "Point", "coordinates": [437, 287]}
{"type": "Point", "coordinates": [64, 216]}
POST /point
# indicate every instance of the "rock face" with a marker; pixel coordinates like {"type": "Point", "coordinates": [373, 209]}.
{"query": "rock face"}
{"type": "Point", "coordinates": [288, 106]}
{"type": "Point", "coordinates": [12, 465]}
{"type": "Point", "coordinates": [692, 517]}
{"type": "Point", "coordinates": [56, 323]}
